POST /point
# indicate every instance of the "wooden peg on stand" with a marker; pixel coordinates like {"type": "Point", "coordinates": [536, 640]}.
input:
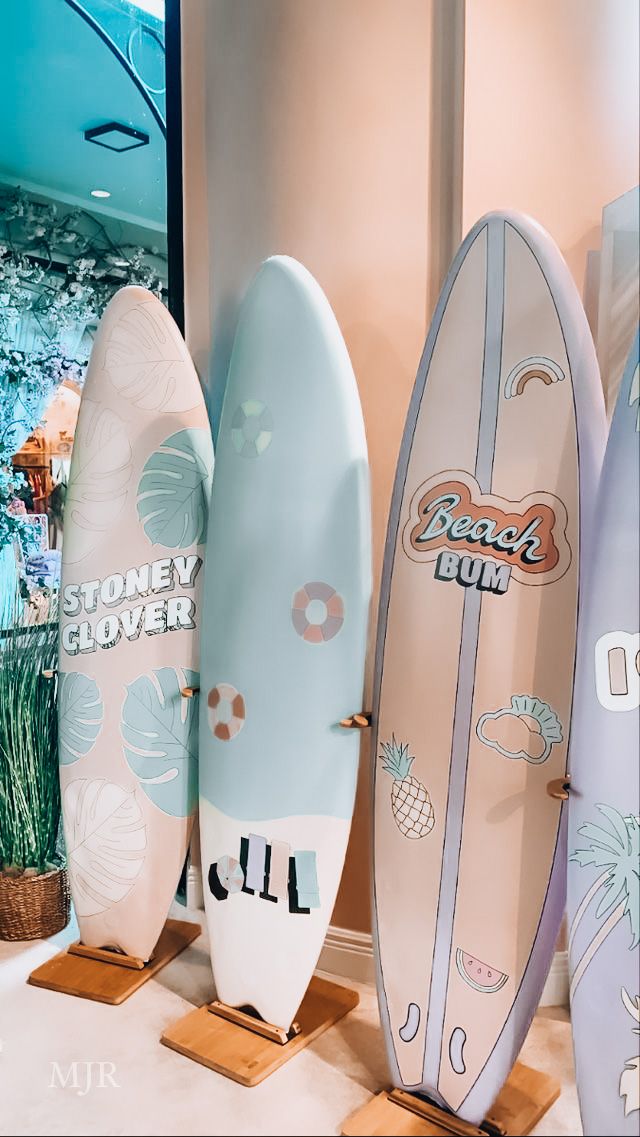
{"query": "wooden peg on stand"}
{"type": "Point", "coordinates": [559, 788]}
{"type": "Point", "coordinates": [359, 721]}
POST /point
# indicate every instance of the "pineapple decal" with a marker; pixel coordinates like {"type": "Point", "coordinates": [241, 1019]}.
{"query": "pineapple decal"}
{"type": "Point", "coordinates": [410, 802]}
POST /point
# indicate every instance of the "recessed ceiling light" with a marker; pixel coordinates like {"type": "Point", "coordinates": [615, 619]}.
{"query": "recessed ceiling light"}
{"type": "Point", "coordinates": [100, 193]}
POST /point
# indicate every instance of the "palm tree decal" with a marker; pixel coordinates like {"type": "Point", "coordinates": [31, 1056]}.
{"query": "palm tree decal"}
{"type": "Point", "coordinates": [630, 1076]}
{"type": "Point", "coordinates": [616, 850]}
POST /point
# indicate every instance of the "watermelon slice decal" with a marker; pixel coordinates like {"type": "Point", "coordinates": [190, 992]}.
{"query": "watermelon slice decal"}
{"type": "Point", "coordinates": [481, 976]}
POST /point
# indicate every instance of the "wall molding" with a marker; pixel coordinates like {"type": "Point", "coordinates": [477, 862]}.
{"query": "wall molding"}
{"type": "Point", "coordinates": [349, 954]}
{"type": "Point", "coordinates": [194, 891]}
{"type": "Point", "coordinates": [446, 147]}
{"type": "Point", "coordinates": [556, 989]}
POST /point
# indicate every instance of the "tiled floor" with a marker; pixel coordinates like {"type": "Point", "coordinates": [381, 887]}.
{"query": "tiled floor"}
{"type": "Point", "coordinates": [158, 1092]}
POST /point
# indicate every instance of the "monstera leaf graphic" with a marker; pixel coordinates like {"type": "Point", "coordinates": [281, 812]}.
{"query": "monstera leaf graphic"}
{"type": "Point", "coordinates": [148, 364]}
{"type": "Point", "coordinates": [79, 716]}
{"type": "Point", "coordinates": [106, 840]}
{"type": "Point", "coordinates": [174, 490]}
{"type": "Point", "coordinates": [160, 731]}
{"type": "Point", "coordinates": [100, 473]}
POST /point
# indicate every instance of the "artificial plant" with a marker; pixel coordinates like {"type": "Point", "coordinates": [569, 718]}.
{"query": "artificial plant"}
{"type": "Point", "coordinates": [29, 785]}
{"type": "Point", "coordinates": [13, 526]}
{"type": "Point", "coordinates": [62, 266]}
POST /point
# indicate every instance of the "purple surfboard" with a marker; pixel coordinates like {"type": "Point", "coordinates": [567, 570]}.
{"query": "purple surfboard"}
{"type": "Point", "coordinates": [604, 822]}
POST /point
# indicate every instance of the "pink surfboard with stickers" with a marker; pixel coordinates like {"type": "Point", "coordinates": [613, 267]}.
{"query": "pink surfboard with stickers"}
{"type": "Point", "coordinates": [475, 658]}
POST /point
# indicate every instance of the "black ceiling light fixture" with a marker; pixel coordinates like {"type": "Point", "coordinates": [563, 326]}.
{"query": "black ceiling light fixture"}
{"type": "Point", "coordinates": [116, 136]}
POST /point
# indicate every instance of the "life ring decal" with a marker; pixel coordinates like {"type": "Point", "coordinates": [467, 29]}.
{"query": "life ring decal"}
{"type": "Point", "coordinates": [226, 711]}
{"type": "Point", "coordinates": [251, 428]}
{"type": "Point", "coordinates": [317, 612]}
{"type": "Point", "coordinates": [230, 874]}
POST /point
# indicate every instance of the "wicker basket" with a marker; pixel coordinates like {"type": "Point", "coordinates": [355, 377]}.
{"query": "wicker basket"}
{"type": "Point", "coordinates": [32, 907]}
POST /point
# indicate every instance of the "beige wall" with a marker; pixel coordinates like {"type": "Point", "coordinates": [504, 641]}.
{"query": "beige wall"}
{"type": "Point", "coordinates": [317, 142]}
{"type": "Point", "coordinates": [331, 131]}
{"type": "Point", "coordinates": [551, 113]}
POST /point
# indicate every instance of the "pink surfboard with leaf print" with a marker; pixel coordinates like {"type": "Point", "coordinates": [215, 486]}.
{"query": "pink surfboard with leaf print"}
{"type": "Point", "coordinates": [134, 531]}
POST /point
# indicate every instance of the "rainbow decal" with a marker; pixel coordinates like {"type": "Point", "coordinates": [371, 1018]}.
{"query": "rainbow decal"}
{"type": "Point", "coordinates": [534, 367]}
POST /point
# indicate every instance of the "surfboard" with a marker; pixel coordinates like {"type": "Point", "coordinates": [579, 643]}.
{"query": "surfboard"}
{"type": "Point", "coordinates": [287, 592]}
{"type": "Point", "coordinates": [604, 806]}
{"type": "Point", "coordinates": [474, 663]}
{"type": "Point", "coordinates": [135, 521]}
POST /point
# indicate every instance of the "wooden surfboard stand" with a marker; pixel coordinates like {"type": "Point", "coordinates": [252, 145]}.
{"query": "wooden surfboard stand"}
{"type": "Point", "coordinates": [525, 1097]}
{"type": "Point", "coordinates": [246, 1049]}
{"type": "Point", "coordinates": [110, 976]}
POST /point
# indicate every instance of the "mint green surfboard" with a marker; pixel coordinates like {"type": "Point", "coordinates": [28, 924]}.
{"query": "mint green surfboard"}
{"type": "Point", "coordinates": [287, 593]}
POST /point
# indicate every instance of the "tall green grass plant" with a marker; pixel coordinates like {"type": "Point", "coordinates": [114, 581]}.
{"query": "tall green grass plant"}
{"type": "Point", "coordinates": [29, 785]}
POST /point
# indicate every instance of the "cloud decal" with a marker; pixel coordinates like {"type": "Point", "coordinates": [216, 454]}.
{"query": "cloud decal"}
{"type": "Point", "coordinates": [527, 729]}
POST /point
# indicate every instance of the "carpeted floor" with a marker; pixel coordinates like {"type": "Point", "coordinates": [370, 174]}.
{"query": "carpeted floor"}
{"type": "Point", "coordinates": [158, 1092]}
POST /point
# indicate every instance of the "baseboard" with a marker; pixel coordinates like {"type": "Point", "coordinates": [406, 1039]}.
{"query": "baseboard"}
{"type": "Point", "coordinates": [556, 989]}
{"type": "Point", "coordinates": [195, 895]}
{"type": "Point", "coordinates": [349, 955]}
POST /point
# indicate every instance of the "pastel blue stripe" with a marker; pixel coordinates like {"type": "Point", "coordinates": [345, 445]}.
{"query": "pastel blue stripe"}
{"type": "Point", "coordinates": [494, 313]}
{"type": "Point", "coordinates": [307, 879]}
{"type": "Point", "coordinates": [255, 862]}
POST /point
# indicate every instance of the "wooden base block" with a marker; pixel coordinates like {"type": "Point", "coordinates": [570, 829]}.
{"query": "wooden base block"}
{"type": "Point", "coordinates": [102, 975]}
{"type": "Point", "coordinates": [252, 1022]}
{"type": "Point", "coordinates": [107, 955]}
{"type": "Point", "coordinates": [523, 1100]}
{"type": "Point", "coordinates": [246, 1057]}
